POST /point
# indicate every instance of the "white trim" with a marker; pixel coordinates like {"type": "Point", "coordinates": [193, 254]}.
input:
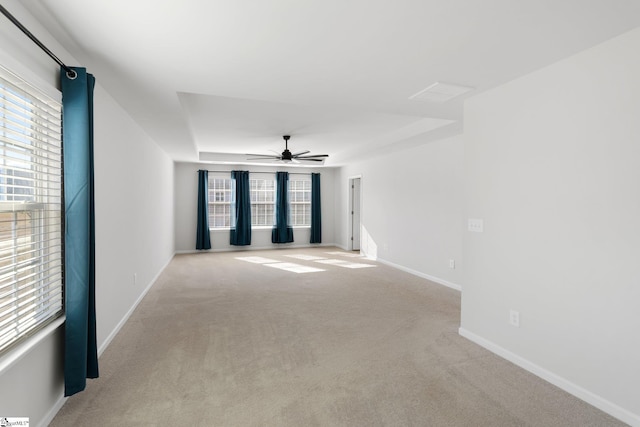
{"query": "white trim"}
{"type": "Point", "coordinates": [423, 275]}
{"type": "Point", "coordinates": [566, 385]}
{"type": "Point", "coordinates": [22, 349]}
{"type": "Point", "coordinates": [126, 317]}
{"type": "Point", "coordinates": [351, 184]}
{"type": "Point", "coordinates": [257, 227]}
{"type": "Point", "coordinates": [254, 248]}
{"type": "Point", "coordinates": [62, 400]}
{"type": "Point", "coordinates": [53, 411]}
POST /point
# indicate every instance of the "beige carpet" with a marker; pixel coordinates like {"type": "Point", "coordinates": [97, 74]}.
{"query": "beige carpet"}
{"type": "Point", "coordinates": [220, 341]}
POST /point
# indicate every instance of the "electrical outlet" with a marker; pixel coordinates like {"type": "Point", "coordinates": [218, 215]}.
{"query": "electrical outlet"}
{"type": "Point", "coordinates": [514, 318]}
{"type": "Point", "coordinates": [135, 278]}
{"type": "Point", "coordinates": [452, 263]}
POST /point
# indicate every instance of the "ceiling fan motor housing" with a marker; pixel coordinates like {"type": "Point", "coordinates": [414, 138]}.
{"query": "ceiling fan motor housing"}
{"type": "Point", "coordinates": [286, 155]}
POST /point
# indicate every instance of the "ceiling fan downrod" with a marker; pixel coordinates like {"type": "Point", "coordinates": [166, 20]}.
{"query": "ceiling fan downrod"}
{"type": "Point", "coordinates": [286, 154]}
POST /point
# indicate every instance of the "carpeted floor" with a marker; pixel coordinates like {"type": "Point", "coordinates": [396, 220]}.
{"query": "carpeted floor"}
{"type": "Point", "coordinates": [222, 341]}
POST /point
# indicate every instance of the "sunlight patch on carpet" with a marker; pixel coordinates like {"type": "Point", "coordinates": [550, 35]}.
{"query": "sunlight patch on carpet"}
{"type": "Point", "coordinates": [305, 257]}
{"type": "Point", "coordinates": [345, 264]}
{"type": "Point", "coordinates": [256, 259]}
{"type": "Point", "coordinates": [294, 268]}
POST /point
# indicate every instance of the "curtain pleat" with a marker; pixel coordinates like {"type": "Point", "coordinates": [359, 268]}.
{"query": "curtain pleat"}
{"type": "Point", "coordinates": [240, 233]}
{"type": "Point", "coordinates": [282, 232]}
{"type": "Point", "coordinates": [203, 237]}
{"type": "Point", "coordinates": [80, 346]}
{"type": "Point", "coordinates": [316, 218]}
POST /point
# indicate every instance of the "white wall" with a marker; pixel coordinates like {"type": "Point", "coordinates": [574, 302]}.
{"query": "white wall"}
{"type": "Point", "coordinates": [412, 208]}
{"type": "Point", "coordinates": [553, 169]}
{"type": "Point", "coordinates": [134, 225]}
{"type": "Point", "coordinates": [186, 203]}
{"type": "Point", "coordinates": [134, 213]}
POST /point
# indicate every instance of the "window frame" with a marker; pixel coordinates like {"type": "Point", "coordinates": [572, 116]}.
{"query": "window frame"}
{"type": "Point", "coordinates": [264, 207]}
{"type": "Point", "coordinates": [305, 203]}
{"type": "Point", "coordinates": [258, 203]}
{"type": "Point", "coordinates": [31, 199]}
{"type": "Point", "coordinates": [220, 209]}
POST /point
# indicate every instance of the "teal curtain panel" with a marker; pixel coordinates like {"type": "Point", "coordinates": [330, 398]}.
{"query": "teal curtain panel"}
{"type": "Point", "coordinates": [316, 209]}
{"type": "Point", "coordinates": [282, 232]}
{"type": "Point", "coordinates": [80, 349]}
{"type": "Point", "coordinates": [240, 234]}
{"type": "Point", "coordinates": [203, 237]}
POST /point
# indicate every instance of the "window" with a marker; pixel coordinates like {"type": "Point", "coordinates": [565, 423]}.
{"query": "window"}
{"type": "Point", "coordinates": [31, 289]}
{"type": "Point", "coordinates": [263, 197]}
{"type": "Point", "coordinates": [221, 194]}
{"type": "Point", "coordinates": [222, 199]}
{"type": "Point", "coordinates": [300, 202]}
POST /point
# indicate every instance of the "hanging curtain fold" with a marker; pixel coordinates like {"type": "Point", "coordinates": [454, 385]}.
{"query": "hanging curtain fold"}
{"type": "Point", "coordinates": [240, 234]}
{"type": "Point", "coordinates": [80, 348]}
{"type": "Point", "coordinates": [316, 218]}
{"type": "Point", "coordinates": [203, 237]}
{"type": "Point", "coordinates": [282, 232]}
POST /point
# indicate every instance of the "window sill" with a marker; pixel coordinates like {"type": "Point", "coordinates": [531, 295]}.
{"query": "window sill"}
{"type": "Point", "coordinates": [19, 351]}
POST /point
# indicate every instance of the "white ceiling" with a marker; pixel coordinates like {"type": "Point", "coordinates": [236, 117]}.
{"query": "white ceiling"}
{"type": "Point", "coordinates": [233, 76]}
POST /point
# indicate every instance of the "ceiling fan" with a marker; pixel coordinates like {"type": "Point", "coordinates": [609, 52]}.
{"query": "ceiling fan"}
{"type": "Point", "coordinates": [289, 157]}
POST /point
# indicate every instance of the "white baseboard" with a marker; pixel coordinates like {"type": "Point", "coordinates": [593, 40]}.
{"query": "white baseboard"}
{"type": "Point", "coordinates": [256, 248]}
{"type": "Point", "coordinates": [53, 412]}
{"type": "Point", "coordinates": [420, 274]}
{"type": "Point", "coordinates": [61, 401]}
{"type": "Point", "coordinates": [126, 317]}
{"type": "Point", "coordinates": [566, 385]}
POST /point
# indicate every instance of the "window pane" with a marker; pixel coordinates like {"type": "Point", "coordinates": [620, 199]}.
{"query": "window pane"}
{"type": "Point", "coordinates": [220, 198]}
{"type": "Point", "coordinates": [262, 202]}
{"type": "Point", "coordinates": [300, 202]}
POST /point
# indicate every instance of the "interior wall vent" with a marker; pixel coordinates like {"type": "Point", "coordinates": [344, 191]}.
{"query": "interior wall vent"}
{"type": "Point", "coordinates": [441, 92]}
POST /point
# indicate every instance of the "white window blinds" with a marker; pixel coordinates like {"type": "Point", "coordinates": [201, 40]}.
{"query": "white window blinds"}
{"type": "Point", "coordinates": [31, 289]}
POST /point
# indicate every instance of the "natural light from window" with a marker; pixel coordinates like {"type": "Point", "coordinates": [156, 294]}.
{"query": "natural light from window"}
{"type": "Point", "coordinates": [31, 289]}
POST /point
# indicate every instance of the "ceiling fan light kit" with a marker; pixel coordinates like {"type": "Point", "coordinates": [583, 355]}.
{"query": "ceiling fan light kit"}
{"type": "Point", "coordinates": [289, 157]}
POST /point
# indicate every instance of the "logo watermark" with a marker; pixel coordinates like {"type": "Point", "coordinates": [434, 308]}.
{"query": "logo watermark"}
{"type": "Point", "coordinates": [14, 421]}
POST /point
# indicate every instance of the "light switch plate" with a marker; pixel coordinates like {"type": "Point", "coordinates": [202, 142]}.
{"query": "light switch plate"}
{"type": "Point", "coordinates": [476, 225]}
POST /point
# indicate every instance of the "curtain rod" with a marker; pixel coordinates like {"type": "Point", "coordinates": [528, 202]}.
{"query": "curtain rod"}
{"type": "Point", "coordinates": [70, 72]}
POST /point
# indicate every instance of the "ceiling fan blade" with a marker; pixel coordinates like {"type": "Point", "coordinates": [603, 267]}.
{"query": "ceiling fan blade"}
{"type": "Point", "coordinates": [312, 156]}
{"type": "Point", "coordinates": [287, 157]}
{"type": "Point", "coordinates": [269, 156]}
{"type": "Point", "coordinates": [264, 158]}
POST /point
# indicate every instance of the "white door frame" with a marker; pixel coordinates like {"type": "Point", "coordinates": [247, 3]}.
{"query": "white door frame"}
{"type": "Point", "coordinates": [350, 237]}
